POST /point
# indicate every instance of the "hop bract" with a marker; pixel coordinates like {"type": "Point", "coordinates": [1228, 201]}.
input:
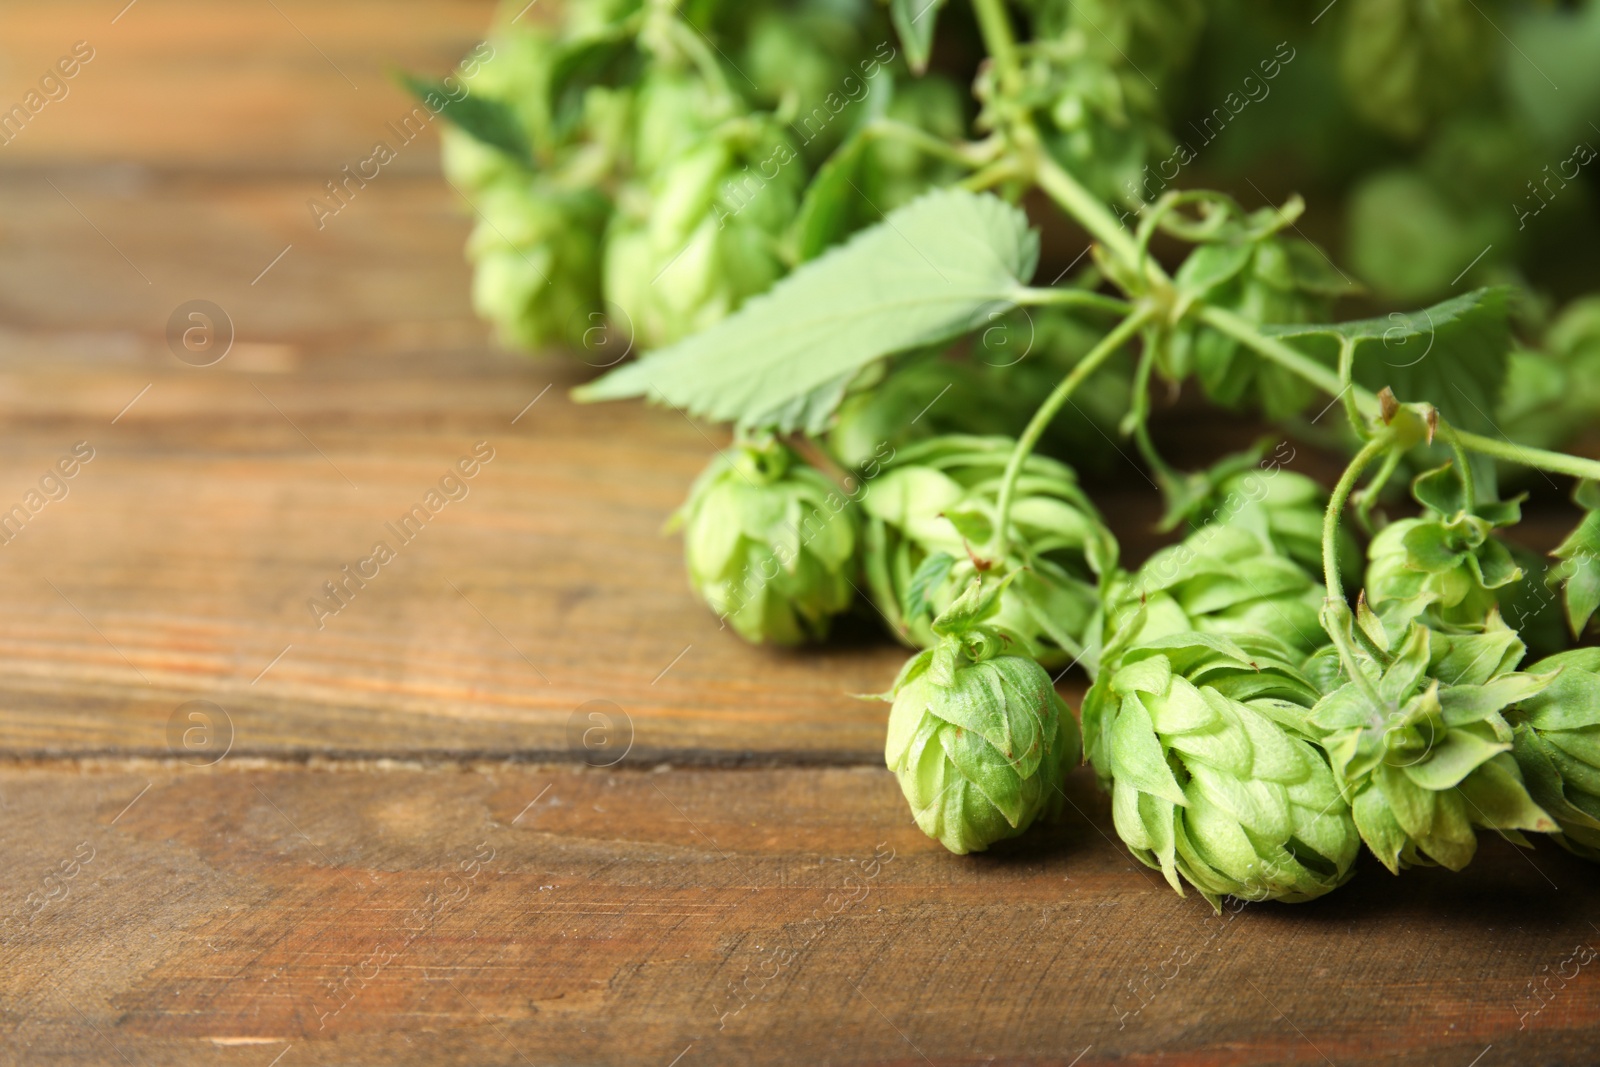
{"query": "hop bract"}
{"type": "Point", "coordinates": [1281, 507]}
{"type": "Point", "coordinates": [1422, 749]}
{"type": "Point", "coordinates": [1557, 745]}
{"type": "Point", "coordinates": [979, 740]}
{"type": "Point", "coordinates": [769, 544]}
{"type": "Point", "coordinates": [1445, 568]}
{"type": "Point", "coordinates": [932, 515]}
{"type": "Point", "coordinates": [1200, 739]}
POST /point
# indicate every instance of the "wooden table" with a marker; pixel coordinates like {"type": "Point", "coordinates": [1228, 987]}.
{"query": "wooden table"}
{"type": "Point", "coordinates": [383, 836]}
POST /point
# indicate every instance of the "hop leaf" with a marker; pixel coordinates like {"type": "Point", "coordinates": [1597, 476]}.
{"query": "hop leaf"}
{"type": "Point", "coordinates": [931, 271]}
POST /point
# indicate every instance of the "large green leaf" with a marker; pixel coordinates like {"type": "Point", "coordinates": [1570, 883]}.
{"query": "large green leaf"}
{"type": "Point", "coordinates": [1453, 355]}
{"type": "Point", "coordinates": [932, 270]}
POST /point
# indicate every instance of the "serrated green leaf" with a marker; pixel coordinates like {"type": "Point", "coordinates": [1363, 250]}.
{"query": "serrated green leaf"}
{"type": "Point", "coordinates": [934, 269]}
{"type": "Point", "coordinates": [1453, 355]}
{"type": "Point", "coordinates": [915, 22]}
{"type": "Point", "coordinates": [492, 122]}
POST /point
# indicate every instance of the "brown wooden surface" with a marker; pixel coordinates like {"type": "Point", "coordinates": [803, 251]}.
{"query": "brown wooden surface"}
{"type": "Point", "coordinates": [303, 896]}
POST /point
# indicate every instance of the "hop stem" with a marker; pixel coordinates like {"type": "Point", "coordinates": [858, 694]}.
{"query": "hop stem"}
{"type": "Point", "coordinates": [1336, 501]}
{"type": "Point", "coordinates": [1108, 347]}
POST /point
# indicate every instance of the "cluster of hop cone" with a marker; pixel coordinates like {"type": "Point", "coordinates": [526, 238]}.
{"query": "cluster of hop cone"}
{"type": "Point", "coordinates": [1242, 752]}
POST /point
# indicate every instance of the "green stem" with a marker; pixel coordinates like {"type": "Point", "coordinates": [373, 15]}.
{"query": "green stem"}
{"type": "Point", "coordinates": [995, 25]}
{"type": "Point", "coordinates": [1066, 297]}
{"type": "Point", "coordinates": [1170, 479]}
{"type": "Point", "coordinates": [688, 38]}
{"type": "Point", "coordinates": [1542, 459]}
{"type": "Point", "coordinates": [1469, 486]}
{"type": "Point", "coordinates": [1087, 208]}
{"type": "Point", "coordinates": [1374, 489]}
{"type": "Point", "coordinates": [1245, 332]}
{"type": "Point", "coordinates": [1109, 345]}
{"type": "Point", "coordinates": [891, 129]}
{"type": "Point", "coordinates": [1336, 503]}
{"type": "Point", "coordinates": [1347, 366]}
{"type": "Point", "coordinates": [1336, 606]}
{"type": "Point", "coordinates": [1001, 170]}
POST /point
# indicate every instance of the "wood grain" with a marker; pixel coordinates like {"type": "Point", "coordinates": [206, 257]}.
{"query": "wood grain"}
{"type": "Point", "coordinates": [185, 85]}
{"type": "Point", "coordinates": [380, 843]}
{"type": "Point", "coordinates": [220, 501]}
{"type": "Point", "coordinates": [785, 916]}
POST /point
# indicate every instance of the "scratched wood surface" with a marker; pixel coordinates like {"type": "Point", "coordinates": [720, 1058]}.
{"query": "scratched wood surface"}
{"type": "Point", "coordinates": [385, 839]}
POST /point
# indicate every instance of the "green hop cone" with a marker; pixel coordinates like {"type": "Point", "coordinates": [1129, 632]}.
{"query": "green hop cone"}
{"type": "Point", "coordinates": [1407, 62]}
{"type": "Point", "coordinates": [1445, 567]}
{"type": "Point", "coordinates": [1200, 739]}
{"type": "Point", "coordinates": [980, 741]}
{"type": "Point", "coordinates": [1252, 490]}
{"type": "Point", "coordinates": [688, 246]}
{"type": "Point", "coordinates": [1099, 119]}
{"type": "Point", "coordinates": [1155, 36]}
{"type": "Point", "coordinates": [769, 544]}
{"type": "Point", "coordinates": [536, 255]}
{"type": "Point", "coordinates": [1421, 747]}
{"type": "Point", "coordinates": [1557, 745]}
{"type": "Point", "coordinates": [1225, 579]}
{"type": "Point", "coordinates": [932, 514]}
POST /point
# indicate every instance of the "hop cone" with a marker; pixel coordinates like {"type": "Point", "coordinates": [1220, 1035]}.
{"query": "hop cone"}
{"type": "Point", "coordinates": [1557, 745]}
{"type": "Point", "coordinates": [1421, 747]}
{"type": "Point", "coordinates": [1444, 568]}
{"type": "Point", "coordinates": [1200, 740]}
{"type": "Point", "coordinates": [932, 514]}
{"type": "Point", "coordinates": [1225, 579]}
{"type": "Point", "coordinates": [1099, 118]}
{"type": "Point", "coordinates": [769, 543]}
{"type": "Point", "coordinates": [1253, 491]}
{"type": "Point", "coordinates": [536, 251]}
{"type": "Point", "coordinates": [1157, 36]}
{"type": "Point", "coordinates": [697, 235]}
{"type": "Point", "coordinates": [979, 741]}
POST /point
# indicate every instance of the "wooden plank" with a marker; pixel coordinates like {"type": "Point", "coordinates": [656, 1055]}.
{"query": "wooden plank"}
{"type": "Point", "coordinates": [481, 914]}
{"type": "Point", "coordinates": [221, 498]}
{"type": "Point", "coordinates": [185, 84]}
